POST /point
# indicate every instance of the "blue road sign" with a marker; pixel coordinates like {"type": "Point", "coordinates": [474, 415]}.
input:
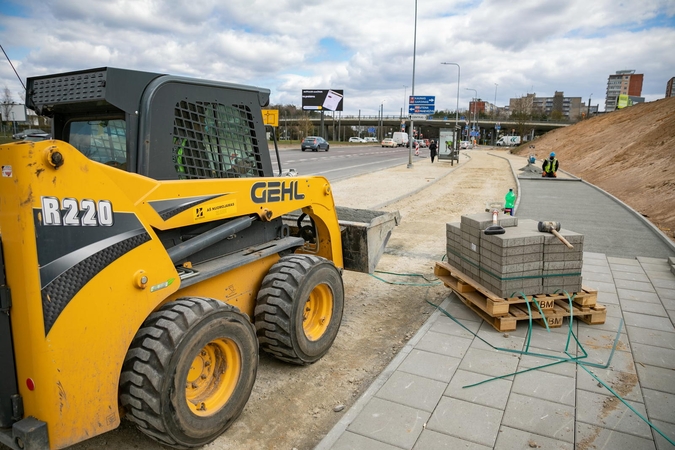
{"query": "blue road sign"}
{"type": "Point", "coordinates": [422, 100]}
{"type": "Point", "coordinates": [371, 129]}
{"type": "Point", "coordinates": [421, 109]}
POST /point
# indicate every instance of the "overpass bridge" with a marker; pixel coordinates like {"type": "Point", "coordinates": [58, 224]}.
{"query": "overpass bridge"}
{"type": "Point", "coordinates": [335, 126]}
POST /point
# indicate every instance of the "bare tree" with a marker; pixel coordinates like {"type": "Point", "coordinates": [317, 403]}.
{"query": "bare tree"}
{"type": "Point", "coordinates": [7, 103]}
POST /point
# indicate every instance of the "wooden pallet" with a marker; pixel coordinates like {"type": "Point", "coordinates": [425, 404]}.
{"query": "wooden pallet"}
{"type": "Point", "coordinates": [504, 313]}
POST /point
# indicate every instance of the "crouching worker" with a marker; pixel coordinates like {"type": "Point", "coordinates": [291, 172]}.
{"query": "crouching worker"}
{"type": "Point", "coordinates": [550, 167]}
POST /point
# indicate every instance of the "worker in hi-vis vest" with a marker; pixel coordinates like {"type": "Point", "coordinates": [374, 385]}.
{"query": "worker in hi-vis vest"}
{"type": "Point", "coordinates": [550, 166]}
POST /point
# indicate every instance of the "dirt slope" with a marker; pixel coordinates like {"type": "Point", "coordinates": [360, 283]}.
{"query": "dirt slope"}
{"type": "Point", "coordinates": [629, 153]}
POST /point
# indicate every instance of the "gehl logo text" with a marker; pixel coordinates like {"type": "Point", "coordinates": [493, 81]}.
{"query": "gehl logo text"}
{"type": "Point", "coordinates": [275, 191]}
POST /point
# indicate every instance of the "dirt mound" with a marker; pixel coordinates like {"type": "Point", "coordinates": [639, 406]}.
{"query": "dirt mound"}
{"type": "Point", "coordinates": [629, 153]}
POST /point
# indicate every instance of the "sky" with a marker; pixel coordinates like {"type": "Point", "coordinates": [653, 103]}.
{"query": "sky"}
{"type": "Point", "coordinates": [505, 49]}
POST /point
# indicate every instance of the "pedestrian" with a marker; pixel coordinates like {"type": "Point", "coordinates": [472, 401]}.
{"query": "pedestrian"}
{"type": "Point", "coordinates": [432, 150]}
{"type": "Point", "coordinates": [550, 167]}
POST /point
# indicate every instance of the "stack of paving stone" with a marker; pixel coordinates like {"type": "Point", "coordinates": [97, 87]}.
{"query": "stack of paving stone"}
{"type": "Point", "coordinates": [523, 260]}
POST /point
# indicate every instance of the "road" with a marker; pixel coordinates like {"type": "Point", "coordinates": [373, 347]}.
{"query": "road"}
{"type": "Point", "coordinates": [342, 161]}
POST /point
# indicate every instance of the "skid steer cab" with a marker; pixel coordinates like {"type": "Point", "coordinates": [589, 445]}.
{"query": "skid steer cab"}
{"type": "Point", "coordinates": [148, 252]}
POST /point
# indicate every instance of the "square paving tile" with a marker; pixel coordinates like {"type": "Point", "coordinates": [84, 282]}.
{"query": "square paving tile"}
{"type": "Point", "coordinates": [494, 393]}
{"type": "Point", "coordinates": [443, 344]}
{"type": "Point", "coordinates": [652, 309]}
{"type": "Point", "coordinates": [631, 276]}
{"type": "Point", "coordinates": [510, 438]}
{"type": "Point", "coordinates": [538, 416]}
{"type": "Point", "coordinates": [620, 361]}
{"type": "Point", "coordinates": [446, 325]}
{"type": "Point", "coordinates": [655, 356]}
{"type": "Point", "coordinates": [656, 378]}
{"type": "Point", "coordinates": [631, 294]}
{"type": "Point", "coordinates": [489, 362]}
{"type": "Point", "coordinates": [546, 386]}
{"type": "Point", "coordinates": [466, 420]}
{"type": "Point", "coordinates": [613, 310]}
{"type": "Point", "coordinates": [590, 267]}
{"type": "Point", "coordinates": [626, 268]}
{"type": "Point", "coordinates": [353, 441]}
{"type": "Point", "coordinates": [634, 285]}
{"type": "Point", "coordinates": [390, 422]}
{"type": "Point", "coordinates": [669, 430]}
{"type": "Point", "coordinates": [649, 260]}
{"type": "Point", "coordinates": [598, 339]}
{"type": "Point", "coordinates": [430, 365]}
{"type": "Point", "coordinates": [664, 283]}
{"type": "Point", "coordinates": [412, 390]}
{"type": "Point", "coordinates": [624, 384]}
{"type": "Point", "coordinates": [567, 369]}
{"type": "Point", "coordinates": [496, 339]}
{"type": "Point", "coordinates": [607, 297]}
{"type": "Point", "coordinates": [646, 321]}
{"type": "Point", "coordinates": [591, 436]}
{"type": "Point", "coordinates": [603, 286]}
{"type": "Point", "coordinates": [590, 278]}
{"type": "Point", "coordinates": [432, 440]}
{"type": "Point", "coordinates": [460, 311]}
{"type": "Point", "coordinates": [623, 261]}
{"type": "Point", "coordinates": [609, 412]}
{"type": "Point", "coordinates": [651, 337]}
{"type": "Point", "coordinates": [665, 294]}
{"type": "Point", "coordinates": [611, 324]}
{"type": "Point", "coordinates": [660, 405]}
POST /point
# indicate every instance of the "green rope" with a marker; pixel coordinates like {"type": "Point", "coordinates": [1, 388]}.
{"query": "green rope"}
{"type": "Point", "coordinates": [405, 283]}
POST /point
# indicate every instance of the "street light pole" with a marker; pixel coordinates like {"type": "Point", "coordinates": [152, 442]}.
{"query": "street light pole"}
{"type": "Point", "coordinates": [495, 104]}
{"type": "Point", "coordinates": [412, 93]}
{"type": "Point", "coordinates": [588, 113]}
{"type": "Point", "coordinates": [456, 138]}
{"type": "Point", "coordinates": [474, 109]}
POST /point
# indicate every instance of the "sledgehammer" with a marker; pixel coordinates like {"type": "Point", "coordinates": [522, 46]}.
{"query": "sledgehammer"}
{"type": "Point", "coordinates": [553, 227]}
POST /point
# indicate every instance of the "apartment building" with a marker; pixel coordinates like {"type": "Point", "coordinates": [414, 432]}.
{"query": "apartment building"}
{"type": "Point", "coordinates": [625, 82]}
{"type": "Point", "coordinates": [670, 88]}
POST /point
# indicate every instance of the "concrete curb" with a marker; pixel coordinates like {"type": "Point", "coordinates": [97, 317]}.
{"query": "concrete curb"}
{"type": "Point", "coordinates": [339, 428]}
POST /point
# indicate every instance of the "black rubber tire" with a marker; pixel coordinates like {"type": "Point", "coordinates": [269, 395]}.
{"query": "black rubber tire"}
{"type": "Point", "coordinates": [303, 149]}
{"type": "Point", "coordinates": [327, 147]}
{"type": "Point", "coordinates": [155, 371]}
{"type": "Point", "coordinates": [281, 306]}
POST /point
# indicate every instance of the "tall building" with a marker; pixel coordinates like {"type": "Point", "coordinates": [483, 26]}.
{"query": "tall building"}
{"type": "Point", "coordinates": [569, 108]}
{"type": "Point", "coordinates": [625, 82]}
{"type": "Point", "coordinates": [670, 88]}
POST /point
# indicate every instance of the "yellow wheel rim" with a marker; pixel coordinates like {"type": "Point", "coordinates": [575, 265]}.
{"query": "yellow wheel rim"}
{"type": "Point", "coordinates": [318, 312]}
{"type": "Point", "coordinates": [213, 375]}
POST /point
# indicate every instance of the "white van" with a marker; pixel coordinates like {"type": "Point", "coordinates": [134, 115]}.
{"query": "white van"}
{"type": "Point", "coordinates": [400, 138]}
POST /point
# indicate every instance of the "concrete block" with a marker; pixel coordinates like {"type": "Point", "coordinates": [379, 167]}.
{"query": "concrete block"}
{"type": "Point", "coordinates": [453, 227]}
{"type": "Point", "coordinates": [484, 220]}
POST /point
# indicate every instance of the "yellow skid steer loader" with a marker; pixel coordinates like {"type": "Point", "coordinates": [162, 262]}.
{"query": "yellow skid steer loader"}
{"type": "Point", "coordinates": [148, 252]}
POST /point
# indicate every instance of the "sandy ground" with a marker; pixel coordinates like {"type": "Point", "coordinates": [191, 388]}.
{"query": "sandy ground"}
{"type": "Point", "coordinates": [294, 407]}
{"type": "Point", "coordinates": [629, 153]}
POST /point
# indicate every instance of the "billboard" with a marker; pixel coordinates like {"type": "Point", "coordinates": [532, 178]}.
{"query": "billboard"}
{"type": "Point", "coordinates": [322, 99]}
{"type": "Point", "coordinates": [624, 101]}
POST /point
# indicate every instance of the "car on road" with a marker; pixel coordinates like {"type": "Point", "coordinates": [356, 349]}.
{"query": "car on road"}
{"type": "Point", "coordinates": [370, 139]}
{"type": "Point", "coordinates": [421, 142]}
{"type": "Point", "coordinates": [465, 144]}
{"type": "Point", "coordinates": [314, 143]}
{"type": "Point", "coordinates": [36, 137]}
{"type": "Point", "coordinates": [389, 142]}
{"type": "Point", "coordinates": [356, 139]}
{"type": "Point", "coordinates": [29, 132]}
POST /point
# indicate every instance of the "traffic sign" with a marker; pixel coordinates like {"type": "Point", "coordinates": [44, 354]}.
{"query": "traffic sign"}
{"type": "Point", "coordinates": [371, 129]}
{"type": "Point", "coordinates": [418, 117]}
{"type": "Point", "coordinates": [271, 117]}
{"type": "Point", "coordinates": [421, 109]}
{"type": "Point", "coordinates": [422, 100]}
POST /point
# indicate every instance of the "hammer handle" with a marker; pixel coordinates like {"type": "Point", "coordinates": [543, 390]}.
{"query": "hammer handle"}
{"type": "Point", "coordinates": [562, 239]}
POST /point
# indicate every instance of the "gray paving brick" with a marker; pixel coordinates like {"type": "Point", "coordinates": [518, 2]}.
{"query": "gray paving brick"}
{"type": "Point", "coordinates": [611, 324]}
{"type": "Point", "coordinates": [661, 405]}
{"type": "Point", "coordinates": [630, 294]}
{"type": "Point", "coordinates": [430, 365]}
{"type": "Point", "coordinates": [446, 325]}
{"type": "Point", "coordinates": [603, 287]}
{"type": "Point", "coordinates": [609, 412]}
{"type": "Point", "coordinates": [665, 284]}
{"type": "Point", "coordinates": [489, 362]}
{"type": "Point", "coordinates": [591, 436]}
{"type": "Point", "coordinates": [484, 220]}
{"type": "Point", "coordinates": [443, 344]}
{"type": "Point", "coordinates": [494, 393]}
{"type": "Point", "coordinates": [668, 304]}
{"type": "Point", "coordinates": [645, 321]}
{"type": "Point", "coordinates": [626, 268]}
{"type": "Point", "coordinates": [607, 297]}
{"type": "Point", "coordinates": [593, 338]}
{"type": "Point", "coordinates": [390, 423]}
{"type": "Point", "coordinates": [657, 275]}
{"type": "Point", "coordinates": [353, 441]}
{"type": "Point", "coordinates": [626, 384]}
{"type": "Point", "coordinates": [510, 438]}
{"type": "Point", "coordinates": [546, 386]}
{"type": "Point", "coordinates": [634, 285]}
{"type": "Point", "coordinates": [591, 277]}
{"type": "Point", "coordinates": [620, 361]}
{"type": "Point", "coordinates": [669, 430]}
{"type": "Point", "coordinates": [412, 390]}
{"type": "Point", "coordinates": [651, 337]}
{"type": "Point", "coordinates": [432, 440]}
{"type": "Point", "coordinates": [650, 268]}
{"type": "Point", "coordinates": [631, 276]}
{"type": "Point", "coordinates": [497, 339]}
{"type": "Point", "coordinates": [613, 310]}
{"type": "Point", "coordinates": [593, 255]}
{"type": "Point", "coordinates": [565, 369]}
{"type": "Point", "coordinates": [596, 264]}
{"type": "Point", "coordinates": [665, 293]}
{"type": "Point", "coordinates": [655, 356]}
{"type": "Point", "coordinates": [613, 260]}
{"type": "Point", "coordinates": [539, 416]}
{"type": "Point", "coordinates": [553, 343]}
{"type": "Point", "coordinates": [656, 378]}
{"type": "Point", "coordinates": [461, 312]}
{"type": "Point", "coordinates": [649, 260]}
{"type": "Point", "coordinates": [466, 420]}
{"type": "Point", "coordinates": [652, 309]}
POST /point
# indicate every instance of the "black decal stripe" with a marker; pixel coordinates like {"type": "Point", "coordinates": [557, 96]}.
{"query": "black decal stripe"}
{"type": "Point", "coordinates": [170, 208]}
{"type": "Point", "coordinates": [57, 294]}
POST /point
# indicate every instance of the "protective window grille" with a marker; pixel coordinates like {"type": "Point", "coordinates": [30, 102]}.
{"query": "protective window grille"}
{"type": "Point", "coordinates": [212, 140]}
